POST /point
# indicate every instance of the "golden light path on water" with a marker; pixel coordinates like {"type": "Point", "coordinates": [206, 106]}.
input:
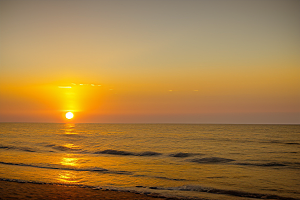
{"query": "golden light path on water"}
{"type": "Point", "coordinates": [69, 160]}
{"type": "Point", "coordinates": [68, 176]}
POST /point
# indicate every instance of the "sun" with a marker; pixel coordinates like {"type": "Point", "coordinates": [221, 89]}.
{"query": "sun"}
{"type": "Point", "coordinates": [69, 115]}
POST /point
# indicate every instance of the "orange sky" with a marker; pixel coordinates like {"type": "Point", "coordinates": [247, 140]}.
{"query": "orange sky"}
{"type": "Point", "coordinates": [150, 61]}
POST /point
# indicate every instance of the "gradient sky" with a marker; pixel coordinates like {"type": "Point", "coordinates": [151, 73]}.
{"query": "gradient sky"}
{"type": "Point", "coordinates": [150, 61]}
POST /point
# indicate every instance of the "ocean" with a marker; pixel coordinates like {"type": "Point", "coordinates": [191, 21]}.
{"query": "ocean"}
{"type": "Point", "coordinates": [174, 160]}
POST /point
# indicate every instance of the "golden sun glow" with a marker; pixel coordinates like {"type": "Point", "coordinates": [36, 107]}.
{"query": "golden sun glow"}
{"type": "Point", "coordinates": [69, 115]}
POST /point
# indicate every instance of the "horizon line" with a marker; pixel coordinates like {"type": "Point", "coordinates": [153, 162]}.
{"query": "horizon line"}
{"type": "Point", "coordinates": [155, 123]}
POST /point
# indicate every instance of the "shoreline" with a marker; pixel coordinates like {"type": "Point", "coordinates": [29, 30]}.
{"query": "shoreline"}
{"type": "Point", "coordinates": [20, 190]}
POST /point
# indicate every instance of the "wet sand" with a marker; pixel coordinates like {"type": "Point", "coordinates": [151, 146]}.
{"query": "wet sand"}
{"type": "Point", "coordinates": [15, 190]}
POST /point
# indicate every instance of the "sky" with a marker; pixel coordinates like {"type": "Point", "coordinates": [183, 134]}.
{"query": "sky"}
{"type": "Point", "coordinates": [150, 61]}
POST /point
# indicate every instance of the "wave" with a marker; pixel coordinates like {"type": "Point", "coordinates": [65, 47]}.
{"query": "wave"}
{"type": "Point", "coordinates": [270, 164]}
{"type": "Point", "coordinates": [292, 143]}
{"type": "Point", "coordinates": [146, 153]}
{"type": "Point", "coordinates": [217, 160]}
{"type": "Point", "coordinates": [27, 149]}
{"type": "Point", "coordinates": [104, 188]}
{"type": "Point", "coordinates": [161, 177]}
{"type": "Point", "coordinates": [231, 192]}
{"type": "Point", "coordinates": [178, 155]}
{"type": "Point", "coordinates": [283, 152]}
{"type": "Point", "coordinates": [281, 142]}
{"type": "Point", "coordinates": [64, 147]}
{"type": "Point", "coordinates": [94, 169]}
{"type": "Point", "coordinates": [72, 148]}
{"type": "Point", "coordinates": [183, 155]}
{"type": "Point", "coordinates": [127, 153]}
{"type": "Point", "coordinates": [59, 167]}
{"type": "Point", "coordinates": [212, 160]}
{"type": "Point", "coordinates": [149, 190]}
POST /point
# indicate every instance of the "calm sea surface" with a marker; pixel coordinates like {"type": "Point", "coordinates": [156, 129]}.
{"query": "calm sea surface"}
{"type": "Point", "coordinates": [183, 160]}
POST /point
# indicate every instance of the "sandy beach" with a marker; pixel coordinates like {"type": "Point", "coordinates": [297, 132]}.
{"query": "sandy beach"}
{"type": "Point", "coordinates": [15, 190]}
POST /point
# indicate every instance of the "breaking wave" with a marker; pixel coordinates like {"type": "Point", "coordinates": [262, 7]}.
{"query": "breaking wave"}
{"type": "Point", "coordinates": [155, 191]}
{"type": "Point", "coordinates": [231, 192]}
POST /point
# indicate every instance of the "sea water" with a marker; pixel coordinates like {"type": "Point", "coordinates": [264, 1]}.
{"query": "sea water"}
{"type": "Point", "coordinates": [178, 160]}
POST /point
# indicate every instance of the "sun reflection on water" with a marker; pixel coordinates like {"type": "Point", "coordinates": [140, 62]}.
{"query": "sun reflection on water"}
{"type": "Point", "coordinates": [67, 161]}
{"type": "Point", "coordinates": [70, 129]}
{"type": "Point", "coordinates": [72, 147]}
{"type": "Point", "coordinates": [67, 177]}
